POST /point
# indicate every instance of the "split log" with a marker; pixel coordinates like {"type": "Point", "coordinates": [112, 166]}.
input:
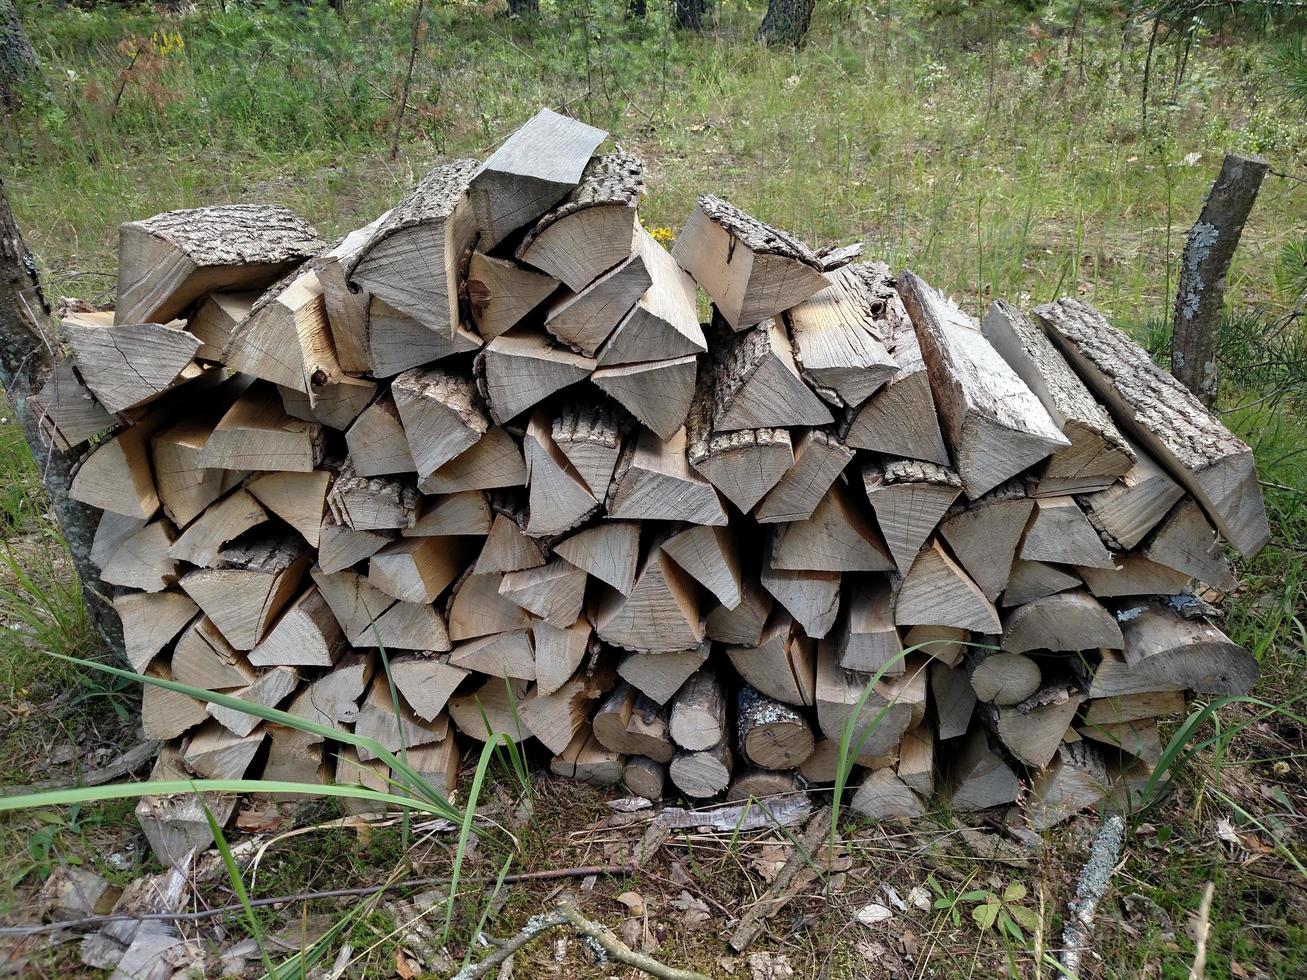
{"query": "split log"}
{"type": "Point", "coordinates": [150, 621]}
{"type": "Point", "coordinates": [495, 460]}
{"type": "Point", "coordinates": [555, 592]}
{"type": "Point", "coordinates": [291, 759]}
{"type": "Point", "coordinates": [658, 393]}
{"type": "Point", "coordinates": [909, 498]}
{"type": "Point", "coordinates": [559, 651]}
{"type": "Point", "coordinates": [442, 416]}
{"type": "Point", "coordinates": [751, 270]}
{"type": "Point", "coordinates": [634, 725]}
{"type": "Point", "coordinates": [702, 774]}
{"type": "Point", "coordinates": [257, 434]}
{"type": "Point", "coordinates": [347, 309]}
{"type": "Point", "coordinates": [653, 481]}
{"type": "Point", "coordinates": [1184, 541]}
{"type": "Point", "coordinates": [418, 569]}
{"type": "Point", "coordinates": [397, 342]}
{"type": "Point", "coordinates": [1003, 678]}
{"type": "Point", "coordinates": [882, 795]}
{"type": "Point", "coordinates": [916, 766]}
{"type": "Point", "coordinates": [587, 761]}
{"type": "Point", "coordinates": [507, 549]}
{"type": "Point", "coordinates": [1033, 729]}
{"type": "Point", "coordinates": [463, 513]}
{"type": "Point", "coordinates": [332, 699]}
{"type": "Point", "coordinates": [590, 435]}
{"type": "Point", "coordinates": [372, 503]}
{"type": "Point", "coordinates": [436, 763]}
{"type": "Point", "coordinates": [1137, 738]}
{"type": "Point", "coordinates": [659, 676]}
{"type": "Point", "coordinates": [709, 556]}
{"type": "Point", "coordinates": [377, 443]}
{"type": "Point", "coordinates": [821, 767]}
{"type": "Point", "coordinates": [167, 262]}
{"type": "Point", "coordinates": [341, 547]}
{"type": "Point", "coordinates": [534, 169]}
{"type": "Point", "coordinates": [141, 561]}
{"type": "Point", "coordinates": [984, 534]}
{"type": "Point", "coordinates": [942, 643]}
{"type": "Point", "coordinates": [591, 230]}
{"type": "Point", "coordinates": [1074, 781]}
{"type": "Point", "coordinates": [993, 423]}
{"type": "Point", "coordinates": [744, 624]}
{"type": "Point", "coordinates": [269, 688]}
{"type": "Point", "coordinates": [127, 364]}
{"type": "Point", "coordinates": [226, 520]}
{"type": "Point", "coordinates": [285, 338]}
{"type": "Point", "coordinates": [664, 323]}
{"type": "Point", "coordinates": [981, 779]}
{"type": "Point", "coordinates": [772, 735]}
{"type": "Point", "coordinates": [1098, 453]}
{"type": "Point", "coordinates": [954, 697]}
{"type": "Point", "coordinates": [1166, 419]}
{"type": "Point", "coordinates": [819, 458]}
{"type": "Point", "coordinates": [698, 713]}
{"type": "Point", "coordinates": [299, 499]}
{"type": "Point", "coordinates": [306, 635]}
{"type": "Point", "coordinates": [395, 726]}
{"type": "Point", "coordinates": [755, 383]}
{"type": "Point", "coordinates": [1031, 580]}
{"type": "Point", "coordinates": [899, 419]}
{"type": "Point", "coordinates": [660, 615]}
{"type": "Point", "coordinates": [427, 681]}
{"type": "Point", "coordinates": [1060, 532]}
{"type": "Point", "coordinates": [584, 319]}
{"type": "Point", "coordinates": [811, 597]}
{"type": "Point", "coordinates": [215, 753]}
{"type": "Point", "coordinates": [1133, 707]}
{"type": "Point", "coordinates": [203, 658]}
{"type": "Point", "coordinates": [336, 403]}
{"type": "Point", "coordinates": [1133, 575]}
{"type": "Point", "coordinates": [501, 292]}
{"type": "Point", "coordinates": [839, 336]}
{"type": "Point", "coordinates": [875, 723]}
{"type": "Point", "coordinates": [782, 664]}
{"type": "Point", "coordinates": [1066, 621]}
{"type": "Point", "coordinates": [491, 709]}
{"type": "Point", "coordinates": [558, 499]}
{"type": "Point", "coordinates": [838, 537]}
{"type": "Point", "coordinates": [167, 714]}
{"type": "Point", "coordinates": [355, 606]}
{"type": "Point", "coordinates": [184, 486]}
{"type": "Point", "coordinates": [644, 777]}
{"type": "Point", "coordinates": [215, 317]}
{"type": "Point", "coordinates": [478, 609]}
{"type": "Point", "coordinates": [115, 476]}
{"type": "Point", "coordinates": [608, 551]}
{"type": "Point", "coordinates": [937, 592]}
{"type": "Point", "coordinates": [867, 639]}
{"type": "Point", "coordinates": [743, 464]}
{"type": "Point", "coordinates": [1194, 655]}
{"type": "Point", "coordinates": [505, 654]}
{"type": "Point", "coordinates": [411, 261]}
{"type": "Point", "coordinates": [252, 583]}
{"type": "Point", "coordinates": [519, 370]}
{"type": "Point", "coordinates": [1124, 513]}
{"type": "Point", "coordinates": [66, 411]}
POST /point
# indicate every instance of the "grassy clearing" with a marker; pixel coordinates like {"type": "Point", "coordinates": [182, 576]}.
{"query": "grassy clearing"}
{"type": "Point", "coordinates": [996, 154]}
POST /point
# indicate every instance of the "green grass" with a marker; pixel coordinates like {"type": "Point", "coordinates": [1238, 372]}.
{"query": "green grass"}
{"type": "Point", "coordinates": [986, 148]}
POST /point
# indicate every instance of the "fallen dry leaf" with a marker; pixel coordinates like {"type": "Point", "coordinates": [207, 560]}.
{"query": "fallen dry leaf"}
{"type": "Point", "coordinates": [769, 966]}
{"type": "Point", "coordinates": [873, 914]}
{"type": "Point", "coordinates": [919, 897]}
{"type": "Point", "coordinates": [405, 967]}
{"type": "Point", "coordinates": [694, 913]}
{"type": "Point", "coordinates": [633, 901]}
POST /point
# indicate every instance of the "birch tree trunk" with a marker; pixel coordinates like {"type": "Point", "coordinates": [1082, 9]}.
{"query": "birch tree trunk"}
{"type": "Point", "coordinates": [1207, 254]}
{"type": "Point", "coordinates": [27, 357]}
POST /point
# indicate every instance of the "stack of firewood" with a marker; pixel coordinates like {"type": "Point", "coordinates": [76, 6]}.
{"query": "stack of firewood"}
{"type": "Point", "coordinates": [488, 437]}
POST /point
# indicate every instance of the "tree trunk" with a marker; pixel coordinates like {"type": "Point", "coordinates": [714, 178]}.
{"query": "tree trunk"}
{"type": "Point", "coordinates": [786, 22]}
{"type": "Point", "coordinates": [17, 59]}
{"type": "Point", "coordinates": [27, 358]}
{"type": "Point", "coordinates": [690, 14]}
{"type": "Point", "coordinates": [1207, 254]}
{"type": "Point", "coordinates": [636, 9]}
{"type": "Point", "coordinates": [524, 8]}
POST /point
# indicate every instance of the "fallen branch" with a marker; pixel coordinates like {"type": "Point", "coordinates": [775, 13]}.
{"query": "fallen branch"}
{"type": "Point", "coordinates": [364, 890]}
{"type": "Point", "coordinates": [600, 935]}
{"type": "Point", "coordinates": [131, 760]}
{"type": "Point", "coordinates": [1094, 877]}
{"type": "Point", "coordinates": [1202, 930]}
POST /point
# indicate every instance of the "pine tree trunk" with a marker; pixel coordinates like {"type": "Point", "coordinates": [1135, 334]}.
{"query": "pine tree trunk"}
{"type": "Point", "coordinates": [690, 14]}
{"type": "Point", "coordinates": [524, 8]}
{"type": "Point", "coordinates": [27, 357]}
{"type": "Point", "coordinates": [17, 58]}
{"type": "Point", "coordinates": [786, 22]}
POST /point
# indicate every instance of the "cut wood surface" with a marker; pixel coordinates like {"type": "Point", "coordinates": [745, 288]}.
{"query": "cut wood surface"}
{"type": "Point", "coordinates": [1186, 542]}
{"type": "Point", "coordinates": [756, 384]}
{"type": "Point", "coordinates": [1003, 678]}
{"type": "Point", "coordinates": [772, 734]}
{"type": "Point", "coordinates": [68, 413]}
{"type": "Point", "coordinates": [521, 369]}
{"type": "Point", "coordinates": [883, 795]}
{"type": "Point", "coordinates": [750, 269]}
{"type": "Point", "coordinates": [1060, 532]}
{"type": "Point", "coordinates": [660, 675]}
{"type": "Point", "coordinates": [994, 424]}
{"type": "Point", "coordinates": [1065, 621]}
{"type": "Point", "coordinates": [985, 533]}
{"type": "Point", "coordinates": [658, 393]}
{"type": "Point", "coordinates": [781, 664]}
{"type": "Point", "coordinates": [654, 481]}
{"type": "Point", "coordinates": [664, 322]}
{"type": "Point", "coordinates": [1031, 580]}
{"type": "Point", "coordinates": [167, 262]}
{"type": "Point", "coordinates": [590, 435]}
{"type": "Point", "coordinates": [396, 341]}
{"type": "Point", "coordinates": [819, 458]}
{"type": "Point", "coordinates": [909, 498]}
{"type": "Point", "coordinates": [743, 464]}
{"type": "Point", "coordinates": [980, 778]}
{"type": "Point", "coordinates": [442, 416]}
{"type": "Point", "coordinates": [585, 318]}
{"type": "Point", "coordinates": [214, 319]}
{"type": "Point", "coordinates": [867, 638]}
{"type": "Point", "coordinates": [257, 434]}
{"type": "Point", "coordinates": [937, 592]}
{"type": "Point", "coordinates": [1125, 512]}
{"type": "Point", "coordinates": [501, 293]}
{"type": "Point", "coordinates": [378, 444]}
{"type": "Point", "coordinates": [698, 713]}
{"type": "Point", "coordinates": [1166, 419]}
{"type": "Point", "coordinates": [127, 364]}
{"type": "Point", "coordinates": [838, 537]}
{"type": "Point", "coordinates": [285, 338]}
{"type": "Point", "coordinates": [558, 497]}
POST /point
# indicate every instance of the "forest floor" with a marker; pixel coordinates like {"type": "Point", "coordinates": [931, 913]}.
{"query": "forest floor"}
{"type": "Point", "coordinates": [996, 158]}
